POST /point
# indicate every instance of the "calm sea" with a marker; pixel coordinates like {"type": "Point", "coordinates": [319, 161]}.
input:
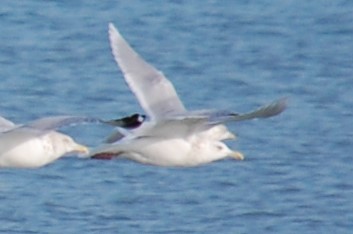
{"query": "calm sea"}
{"type": "Point", "coordinates": [297, 176]}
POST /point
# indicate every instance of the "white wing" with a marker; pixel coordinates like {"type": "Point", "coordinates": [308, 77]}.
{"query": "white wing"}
{"type": "Point", "coordinates": [153, 90]}
{"type": "Point", "coordinates": [192, 122]}
{"type": "Point", "coordinates": [17, 136]}
{"type": "Point", "coordinates": [6, 124]}
{"type": "Point", "coordinates": [197, 121]}
{"type": "Point", "coordinates": [54, 122]}
{"type": "Point", "coordinates": [265, 111]}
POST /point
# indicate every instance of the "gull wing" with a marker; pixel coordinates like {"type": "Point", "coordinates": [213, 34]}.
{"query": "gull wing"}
{"type": "Point", "coordinates": [54, 122]}
{"type": "Point", "coordinates": [265, 111]}
{"type": "Point", "coordinates": [217, 117]}
{"type": "Point", "coordinates": [14, 137]}
{"type": "Point", "coordinates": [114, 137]}
{"type": "Point", "coordinates": [119, 134]}
{"type": "Point", "coordinates": [190, 122]}
{"type": "Point", "coordinates": [155, 93]}
{"type": "Point", "coordinates": [6, 124]}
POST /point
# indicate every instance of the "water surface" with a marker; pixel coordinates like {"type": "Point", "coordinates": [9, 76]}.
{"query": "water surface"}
{"type": "Point", "coordinates": [55, 59]}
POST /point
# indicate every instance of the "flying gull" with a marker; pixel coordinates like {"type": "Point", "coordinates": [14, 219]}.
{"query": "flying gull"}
{"type": "Point", "coordinates": [170, 135]}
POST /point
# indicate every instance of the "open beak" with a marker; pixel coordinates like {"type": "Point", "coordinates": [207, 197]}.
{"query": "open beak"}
{"type": "Point", "coordinates": [236, 155]}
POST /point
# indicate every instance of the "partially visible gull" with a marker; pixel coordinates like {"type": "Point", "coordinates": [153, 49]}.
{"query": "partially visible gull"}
{"type": "Point", "coordinates": [171, 136]}
{"type": "Point", "coordinates": [37, 144]}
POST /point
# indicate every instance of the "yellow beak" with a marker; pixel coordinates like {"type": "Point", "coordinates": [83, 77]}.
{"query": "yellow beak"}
{"type": "Point", "coordinates": [81, 149]}
{"type": "Point", "coordinates": [236, 155]}
{"type": "Point", "coordinates": [231, 136]}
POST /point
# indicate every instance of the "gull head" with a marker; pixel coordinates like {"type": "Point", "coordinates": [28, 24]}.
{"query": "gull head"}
{"type": "Point", "coordinates": [63, 145]}
{"type": "Point", "coordinates": [221, 150]}
{"type": "Point", "coordinates": [132, 121]}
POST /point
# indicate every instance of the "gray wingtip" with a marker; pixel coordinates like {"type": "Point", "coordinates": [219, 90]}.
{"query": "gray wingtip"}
{"type": "Point", "coordinates": [112, 30]}
{"type": "Point", "coordinates": [111, 27]}
{"type": "Point", "coordinates": [267, 111]}
{"type": "Point", "coordinates": [277, 107]}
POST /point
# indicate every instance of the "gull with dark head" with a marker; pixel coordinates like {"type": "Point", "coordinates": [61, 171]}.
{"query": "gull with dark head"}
{"type": "Point", "coordinates": [172, 135]}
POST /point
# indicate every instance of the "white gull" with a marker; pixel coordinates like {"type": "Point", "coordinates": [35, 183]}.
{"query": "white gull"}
{"type": "Point", "coordinates": [37, 144]}
{"type": "Point", "coordinates": [172, 136]}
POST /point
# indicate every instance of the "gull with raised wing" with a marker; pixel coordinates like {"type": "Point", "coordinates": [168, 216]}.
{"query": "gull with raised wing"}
{"type": "Point", "coordinates": [171, 135]}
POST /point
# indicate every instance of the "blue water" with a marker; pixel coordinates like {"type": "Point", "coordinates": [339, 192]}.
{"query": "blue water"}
{"type": "Point", "coordinates": [297, 176]}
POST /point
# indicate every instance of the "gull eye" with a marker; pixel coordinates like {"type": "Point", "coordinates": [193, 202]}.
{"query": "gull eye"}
{"type": "Point", "coordinates": [219, 147]}
{"type": "Point", "coordinates": [66, 140]}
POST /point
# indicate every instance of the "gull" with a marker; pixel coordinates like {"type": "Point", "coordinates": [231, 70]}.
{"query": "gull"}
{"type": "Point", "coordinates": [37, 144]}
{"type": "Point", "coordinates": [6, 124]}
{"type": "Point", "coordinates": [171, 135]}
